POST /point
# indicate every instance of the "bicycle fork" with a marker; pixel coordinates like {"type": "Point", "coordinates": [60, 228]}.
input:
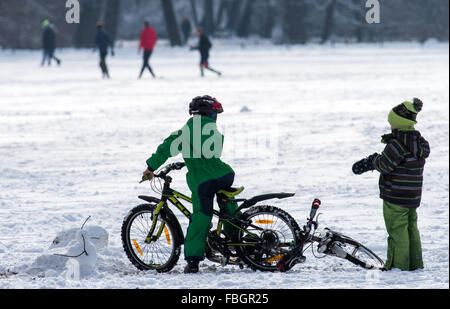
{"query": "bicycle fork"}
{"type": "Point", "coordinates": [162, 227]}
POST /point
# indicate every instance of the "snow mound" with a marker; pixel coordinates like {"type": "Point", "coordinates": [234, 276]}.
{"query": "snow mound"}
{"type": "Point", "coordinates": [72, 254]}
{"type": "Point", "coordinates": [245, 109]}
{"type": "Point", "coordinates": [95, 234]}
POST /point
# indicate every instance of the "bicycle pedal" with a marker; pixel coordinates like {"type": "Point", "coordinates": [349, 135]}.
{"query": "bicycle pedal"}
{"type": "Point", "coordinates": [234, 261]}
{"type": "Point", "coordinates": [287, 263]}
{"type": "Point", "coordinates": [281, 266]}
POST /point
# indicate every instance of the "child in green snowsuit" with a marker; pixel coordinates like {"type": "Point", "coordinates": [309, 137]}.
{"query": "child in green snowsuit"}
{"type": "Point", "coordinates": [200, 143]}
{"type": "Point", "coordinates": [401, 167]}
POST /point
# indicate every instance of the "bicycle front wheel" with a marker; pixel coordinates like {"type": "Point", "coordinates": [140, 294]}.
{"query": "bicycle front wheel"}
{"type": "Point", "coordinates": [162, 252]}
{"type": "Point", "coordinates": [348, 248]}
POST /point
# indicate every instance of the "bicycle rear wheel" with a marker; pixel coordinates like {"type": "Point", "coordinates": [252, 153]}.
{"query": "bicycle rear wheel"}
{"type": "Point", "coordinates": [160, 254]}
{"type": "Point", "coordinates": [271, 233]}
{"type": "Point", "coordinates": [356, 253]}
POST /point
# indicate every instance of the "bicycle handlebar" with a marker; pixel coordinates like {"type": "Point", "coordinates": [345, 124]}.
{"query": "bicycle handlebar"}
{"type": "Point", "coordinates": [315, 205]}
{"type": "Point", "coordinates": [311, 223]}
{"type": "Point", "coordinates": [170, 167]}
{"type": "Point", "coordinates": [166, 170]}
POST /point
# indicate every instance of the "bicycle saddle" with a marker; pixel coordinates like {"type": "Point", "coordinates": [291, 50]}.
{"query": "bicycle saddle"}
{"type": "Point", "coordinates": [231, 192]}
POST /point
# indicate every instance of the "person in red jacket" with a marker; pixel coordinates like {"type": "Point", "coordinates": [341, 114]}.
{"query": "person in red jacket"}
{"type": "Point", "coordinates": [147, 43]}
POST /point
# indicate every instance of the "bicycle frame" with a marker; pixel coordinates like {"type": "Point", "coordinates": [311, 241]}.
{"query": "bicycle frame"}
{"type": "Point", "coordinates": [173, 196]}
{"type": "Point", "coordinates": [162, 212]}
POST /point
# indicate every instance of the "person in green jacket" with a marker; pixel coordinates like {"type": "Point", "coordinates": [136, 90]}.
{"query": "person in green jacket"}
{"type": "Point", "coordinates": [200, 144]}
{"type": "Point", "coordinates": [401, 167]}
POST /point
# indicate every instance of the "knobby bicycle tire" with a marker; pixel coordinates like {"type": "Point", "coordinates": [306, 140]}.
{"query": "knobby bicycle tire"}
{"type": "Point", "coordinates": [141, 254]}
{"type": "Point", "coordinates": [260, 258]}
{"type": "Point", "coordinates": [372, 262]}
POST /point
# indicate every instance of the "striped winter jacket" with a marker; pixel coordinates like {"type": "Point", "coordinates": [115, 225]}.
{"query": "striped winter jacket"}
{"type": "Point", "coordinates": [401, 166]}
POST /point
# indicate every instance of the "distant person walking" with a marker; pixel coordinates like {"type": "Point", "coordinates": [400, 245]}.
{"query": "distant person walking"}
{"type": "Point", "coordinates": [186, 29]}
{"type": "Point", "coordinates": [102, 42]}
{"type": "Point", "coordinates": [147, 43]}
{"type": "Point", "coordinates": [49, 43]}
{"type": "Point", "coordinates": [204, 45]}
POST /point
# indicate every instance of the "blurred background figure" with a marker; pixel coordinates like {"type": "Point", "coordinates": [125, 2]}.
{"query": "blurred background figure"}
{"type": "Point", "coordinates": [186, 29]}
{"type": "Point", "coordinates": [49, 42]}
{"type": "Point", "coordinates": [147, 43]}
{"type": "Point", "coordinates": [279, 22]}
{"type": "Point", "coordinates": [204, 45]}
{"type": "Point", "coordinates": [102, 42]}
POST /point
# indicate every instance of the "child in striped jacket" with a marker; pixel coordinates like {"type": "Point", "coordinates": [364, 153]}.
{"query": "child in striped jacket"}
{"type": "Point", "coordinates": [401, 167]}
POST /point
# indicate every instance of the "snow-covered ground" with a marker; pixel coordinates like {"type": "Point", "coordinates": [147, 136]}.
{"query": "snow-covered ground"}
{"type": "Point", "coordinates": [296, 118]}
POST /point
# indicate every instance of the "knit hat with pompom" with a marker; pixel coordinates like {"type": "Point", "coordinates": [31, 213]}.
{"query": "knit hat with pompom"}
{"type": "Point", "coordinates": [403, 116]}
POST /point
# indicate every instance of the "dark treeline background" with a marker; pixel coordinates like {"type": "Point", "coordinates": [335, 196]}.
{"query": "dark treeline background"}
{"type": "Point", "coordinates": [281, 21]}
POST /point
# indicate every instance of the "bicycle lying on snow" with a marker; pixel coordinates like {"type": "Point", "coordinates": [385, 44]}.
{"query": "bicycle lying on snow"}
{"type": "Point", "coordinates": [265, 237]}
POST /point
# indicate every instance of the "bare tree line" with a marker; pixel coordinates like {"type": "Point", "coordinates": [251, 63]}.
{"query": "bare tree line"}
{"type": "Point", "coordinates": [282, 21]}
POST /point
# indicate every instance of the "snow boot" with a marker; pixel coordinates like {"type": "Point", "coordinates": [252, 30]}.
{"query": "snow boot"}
{"type": "Point", "coordinates": [191, 267]}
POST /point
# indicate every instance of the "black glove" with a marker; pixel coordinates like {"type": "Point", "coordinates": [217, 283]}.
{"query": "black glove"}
{"type": "Point", "coordinates": [364, 165]}
{"type": "Point", "coordinates": [387, 137]}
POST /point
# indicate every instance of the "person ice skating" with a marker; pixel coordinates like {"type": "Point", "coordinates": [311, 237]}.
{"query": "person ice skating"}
{"type": "Point", "coordinates": [49, 43]}
{"type": "Point", "coordinates": [207, 173]}
{"type": "Point", "coordinates": [186, 29]}
{"type": "Point", "coordinates": [204, 45]}
{"type": "Point", "coordinates": [103, 41]}
{"type": "Point", "coordinates": [147, 42]}
{"type": "Point", "coordinates": [401, 166]}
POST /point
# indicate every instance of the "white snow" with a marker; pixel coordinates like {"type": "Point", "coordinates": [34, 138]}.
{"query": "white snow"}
{"type": "Point", "coordinates": [73, 254]}
{"type": "Point", "coordinates": [73, 145]}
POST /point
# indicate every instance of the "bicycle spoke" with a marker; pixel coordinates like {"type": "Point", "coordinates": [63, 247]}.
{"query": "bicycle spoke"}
{"type": "Point", "coordinates": [158, 251]}
{"type": "Point", "coordinates": [276, 232]}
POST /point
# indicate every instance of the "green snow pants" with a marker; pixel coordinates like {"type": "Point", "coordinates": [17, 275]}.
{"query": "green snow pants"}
{"type": "Point", "coordinates": [404, 250]}
{"type": "Point", "coordinates": [203, 203]}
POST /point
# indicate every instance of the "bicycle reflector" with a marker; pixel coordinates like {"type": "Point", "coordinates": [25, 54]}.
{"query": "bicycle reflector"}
{"type": "Point", "coordinates": [166, 231]}
{"type": "Point", "coordinates": [264, 221]}
{"type": "Point", "coordinates": [137, 247]}
{"type": "Point", "coordinates": [275, 258]}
